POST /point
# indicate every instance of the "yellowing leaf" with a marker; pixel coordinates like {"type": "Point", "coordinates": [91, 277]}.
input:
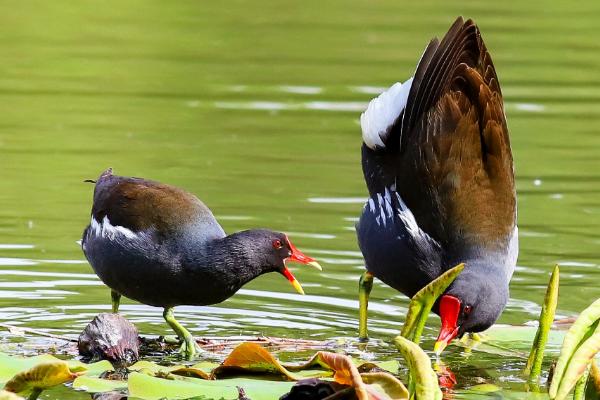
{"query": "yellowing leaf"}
{"type": "Point", "coordinates": [40, 377]}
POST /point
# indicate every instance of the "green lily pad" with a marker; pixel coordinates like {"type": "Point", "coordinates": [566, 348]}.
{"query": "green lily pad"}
{"type": "Point", "coordinates": [97, 385]}
{"type": "Point", "coordinates": [150, 388]}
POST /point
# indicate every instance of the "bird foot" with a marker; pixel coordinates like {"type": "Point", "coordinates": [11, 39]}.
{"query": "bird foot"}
{"type": "Point", "coordinates": [189, 348]}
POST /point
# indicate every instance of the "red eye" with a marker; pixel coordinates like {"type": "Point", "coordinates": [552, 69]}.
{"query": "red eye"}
{"type": "Point", "coordinates": [277, 244]}
{"type": "Point", "coordinates": [467, 310]}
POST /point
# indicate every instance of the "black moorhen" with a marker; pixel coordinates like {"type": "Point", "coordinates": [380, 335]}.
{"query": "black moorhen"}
{"type": "Point", "coordinates": [161, 246]}
{"type": "Point", "coordinates": [437, 162]}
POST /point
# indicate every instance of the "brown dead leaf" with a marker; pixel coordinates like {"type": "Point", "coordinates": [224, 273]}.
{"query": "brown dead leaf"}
{"type": "Point", "coordinates": [346, 372]}
{"type": "Point", "coordinates": [253, 357]}
{"type": "Point", "coordinates": [375, 386]}
{"type": "Point", "coordinates": [191, 372]}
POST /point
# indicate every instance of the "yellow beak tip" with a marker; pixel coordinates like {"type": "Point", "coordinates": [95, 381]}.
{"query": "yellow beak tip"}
{"type": "Point", "coordinates": [315, 265]}
{"type": "Point", "coordinates": [439, 347]}
{"type": "Point", "coordinates": [298, 287]}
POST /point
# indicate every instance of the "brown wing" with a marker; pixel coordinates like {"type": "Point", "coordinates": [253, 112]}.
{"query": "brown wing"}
{"type": "Point", "coordinates": [139, 204]}
{"type": "Point", "coordinates": [455, 170]}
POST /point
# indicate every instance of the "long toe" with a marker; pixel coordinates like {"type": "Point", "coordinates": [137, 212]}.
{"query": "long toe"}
{"type": "Point", "coordinates": [189, 348]}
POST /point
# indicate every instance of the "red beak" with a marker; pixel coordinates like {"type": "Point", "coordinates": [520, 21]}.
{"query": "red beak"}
{"type": "Point", "coordinates": [449, 310]}
{"type": "Point", "coordinates": [298, 256]}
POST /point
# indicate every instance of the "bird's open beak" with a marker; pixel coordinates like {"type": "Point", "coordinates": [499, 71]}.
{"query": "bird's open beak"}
{"type": "Point", "coordinates": [449, 310]}
{"type": "Point", "coordinates": [290, 277]}
{"type": "Point", "coordinates": [298, 256]}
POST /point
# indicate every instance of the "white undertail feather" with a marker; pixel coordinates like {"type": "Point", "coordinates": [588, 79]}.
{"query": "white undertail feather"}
{"type": "Point", "coordinates": [382, 112]}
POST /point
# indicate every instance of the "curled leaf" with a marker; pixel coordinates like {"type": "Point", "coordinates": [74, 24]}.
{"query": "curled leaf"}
{"type": "Point", "coordinates": [421, 303]}
{"type": "Point", "coordinates": [578, 364]}
{"type": "Point", "coordinates": [534, 362]}
{"type": "Point", "coordinates": [422, 375]}
{"type": "Point", "coordinates": [581, 343]}
{"type": "Point", "coordinates": [346, 372]}
{"type": "Point", "coordinates": [40, 377]}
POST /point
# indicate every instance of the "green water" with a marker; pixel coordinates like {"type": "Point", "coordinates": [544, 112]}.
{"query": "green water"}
{"type": "Point", "coordinates": [254, 107]}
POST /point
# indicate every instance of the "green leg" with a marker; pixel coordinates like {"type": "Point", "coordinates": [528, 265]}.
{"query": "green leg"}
{"type": "Point", "coordinates": [364, 290]}
{"type": "Point", "coordinates": [189, 347]}
{"type": "Point", "coordinates": [115, 299]}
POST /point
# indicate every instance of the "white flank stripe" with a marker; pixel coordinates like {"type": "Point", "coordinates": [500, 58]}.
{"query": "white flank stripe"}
{"type": "Point", "coordinates": [107, 230]}
{"type": "Point", "coordinates": [381, 113]}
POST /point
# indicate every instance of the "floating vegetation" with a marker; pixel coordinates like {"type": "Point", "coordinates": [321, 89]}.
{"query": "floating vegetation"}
{"type": "Point", "coordinates": [250, 370]}
{"type": "Point", "coordinates": [581, 344]}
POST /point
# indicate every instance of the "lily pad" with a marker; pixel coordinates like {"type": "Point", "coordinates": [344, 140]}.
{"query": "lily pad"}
{"type": "Point", "coordinates": [255, 358]}
{"type": "Point", "coordinates": [97, 385]}
{"type": "Point", "coordinates": [40, 377]}
{"type": "Point", "coordinates": [151, 388]}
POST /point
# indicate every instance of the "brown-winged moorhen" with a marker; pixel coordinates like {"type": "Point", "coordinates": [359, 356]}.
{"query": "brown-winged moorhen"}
{"type": "Point", "coordinates": [161, 246]}
{"type": "Point", "coordinates": [437, 162]}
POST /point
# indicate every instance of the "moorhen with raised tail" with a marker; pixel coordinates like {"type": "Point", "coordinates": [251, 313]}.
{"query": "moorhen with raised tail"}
{"type": "Point", "coordinates": [437, 162]}
{"type": "Point", "coordinates": [161, 246]}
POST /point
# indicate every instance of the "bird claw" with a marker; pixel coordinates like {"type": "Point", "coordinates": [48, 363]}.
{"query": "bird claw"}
{"type": "Point", "coordinates": [189, 348]}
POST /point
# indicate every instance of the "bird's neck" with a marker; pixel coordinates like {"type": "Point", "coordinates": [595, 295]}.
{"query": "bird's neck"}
{"type": "Point", "coordinates": [496, 261]}
{"type": "Point", "coordinates": [232, 257]}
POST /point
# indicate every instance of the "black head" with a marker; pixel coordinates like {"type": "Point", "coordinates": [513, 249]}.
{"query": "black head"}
{"type": "Point", "coordinates": [269, 251]}
{"type": "Point", "coordinates": [473, 303]}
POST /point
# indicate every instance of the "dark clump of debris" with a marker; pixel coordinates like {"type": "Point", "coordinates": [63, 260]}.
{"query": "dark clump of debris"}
{"type": "Point", "coordinates": [109, 396]}
{"type": "Point", "coordinates": [110, 337]}
{"type": "Point", "coordinates": [316, 389]}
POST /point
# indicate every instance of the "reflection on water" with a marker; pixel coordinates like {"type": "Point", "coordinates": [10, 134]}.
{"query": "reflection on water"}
{"type": "Point", "coordinates": [259, 118]}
